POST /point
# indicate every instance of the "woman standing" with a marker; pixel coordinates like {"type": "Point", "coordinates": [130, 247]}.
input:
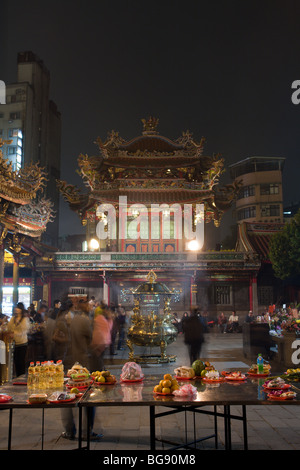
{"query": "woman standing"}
{"type": "Point", "coordinates": [18, 326]}
{"type": "Point", "coordinates": [101, 337]}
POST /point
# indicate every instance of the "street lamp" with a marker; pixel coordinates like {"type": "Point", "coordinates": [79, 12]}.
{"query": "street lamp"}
{"type": "Point", "coordinates": [94, 244]}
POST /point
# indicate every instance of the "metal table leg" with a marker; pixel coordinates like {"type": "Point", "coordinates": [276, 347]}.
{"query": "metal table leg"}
{"type": "Point", "coordinates": [152, 427]}
{"type": "Point", "coordinates": [80, 428]}
{"type": "Point", "coordinates": [245, 427]}
{"type": "Point", "coordinates": [9, 429]}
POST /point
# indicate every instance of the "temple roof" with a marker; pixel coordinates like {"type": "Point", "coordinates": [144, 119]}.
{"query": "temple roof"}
{"type": "Point", "coordinates": [255, 237]}
{"type": "Point", "coordinates": [152, 143]}
{"type": "Point", "coordinates": [149, 169]}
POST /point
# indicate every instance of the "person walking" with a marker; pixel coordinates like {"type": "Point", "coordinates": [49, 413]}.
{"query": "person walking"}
{"type": "Point", "coordinates": [81, 337]}
{"type": "Point", "coordinates": [222, 321]}
{"type": "Point", "coordinates": [185, 316]}
{"type": "Point", "coordinates": [61, 335]}
{"type": "Point", "coordinates": [114, 331]}
{"type": "Point", "coordinates": [101, 337]}
{"type": "Point", "coordinates": [49, 325]}
{"type": "Point", "coordinates": [194, 335]}
{"type": "Point", "coordinates": [121, 320]}
{"type": "Point", "coordinates": [18, 327]}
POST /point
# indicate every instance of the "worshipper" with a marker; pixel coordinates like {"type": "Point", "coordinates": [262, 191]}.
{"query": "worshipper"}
{"type": "Point", "coordinates": [61, 335]}
{"type": "Point", "coordinates": [194, 335]}
{"type": "Point", "coordinates": [18, 327]}
{"type": "Point", "coordinates": [81, 337]}
{"type": "Point", "coordinates": [54, 311]}
{"type": "Point", "coordinates": [250, 317]}
{"type": "Point", "coordinates": [101, 337]}
{"type": "Point", "coordinates": [233, 323]}
{"type": "Point", "coordinates": [185, 316]}
{"type": "Point", "coordinates": [121, 320]}
{"type": "Point", "coordinates": [222, 321]}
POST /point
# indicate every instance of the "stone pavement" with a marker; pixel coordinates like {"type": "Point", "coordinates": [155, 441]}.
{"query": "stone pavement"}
{"type": "Point", "coordinates": [127, 428]}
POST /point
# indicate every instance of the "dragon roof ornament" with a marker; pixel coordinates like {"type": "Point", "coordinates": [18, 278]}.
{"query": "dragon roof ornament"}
{"type": "Point", "coordinates": [20, 186]}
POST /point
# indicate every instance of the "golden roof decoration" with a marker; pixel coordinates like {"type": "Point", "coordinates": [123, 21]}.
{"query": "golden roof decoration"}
{"type": "Point", "coordinates": [150, 125]}
{"type": "Point", "coordinates": [19, 186]}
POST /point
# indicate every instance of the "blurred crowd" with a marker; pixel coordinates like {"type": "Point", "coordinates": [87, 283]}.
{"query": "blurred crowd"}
{"type": "Point", "coordinates": [83, 332]}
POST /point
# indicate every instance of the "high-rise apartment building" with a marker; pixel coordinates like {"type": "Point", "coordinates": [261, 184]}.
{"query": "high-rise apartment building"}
{"type": "Point", "coordinates": [31, 120]}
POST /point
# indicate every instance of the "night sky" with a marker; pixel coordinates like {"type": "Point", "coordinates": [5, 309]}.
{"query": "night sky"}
{"type": "Point", "coordinates": [222, 69]}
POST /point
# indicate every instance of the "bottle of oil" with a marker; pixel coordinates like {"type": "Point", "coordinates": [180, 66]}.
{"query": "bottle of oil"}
{"type": "Point", "coordinates": [42, 384]}
{"type": "Point", "coordinates": [30, 376]}
{"type": "Point", "coordinates": [46, 374]}
{"type": "Point", "coordinates": [37, 373]}
{"type": "Point", "coordinates": [59, 374]}
{"type": "Point", "coordinates": [51, 381]}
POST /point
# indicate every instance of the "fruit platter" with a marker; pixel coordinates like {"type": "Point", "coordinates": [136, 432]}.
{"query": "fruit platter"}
{"type": "Point", "coordinates": [292, 375]}
{"type": "Point", "coordinates": [276, 384]}
{"type": "Point", "coordinates": [166, 386]}
{"type": "Point", "coordinates": [103, 377]}
{"type": "Point", "coordinates": [213, 376]}
{"type": "Point", "coordinates": [235, 376]}
{"type": "Point", "coordinates": [78, 377]}
{"type": "Point", "coordinates": [4, 398]}
{"type": "Point", "coordinates": [281, 395]}
{"type": "Point", "coordinates": [131, 373]}
{"type": "Point", "coordinates": [253, 371]}
{"type": "Point", "coordinates": [184, 373]}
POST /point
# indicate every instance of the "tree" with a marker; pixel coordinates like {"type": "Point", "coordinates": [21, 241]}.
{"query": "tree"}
{"type": "Point", "coordinates": [285, 249]}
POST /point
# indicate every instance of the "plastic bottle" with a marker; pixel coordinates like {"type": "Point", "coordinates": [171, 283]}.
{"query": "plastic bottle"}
{"type": "Point", "coordinates": [42, 377]}
{"type": "Point", "coordinates": [51, 381]}
{"type": "Point", "coordinates": [46, 374]}
{"type": "Point", "coordinates": [37, 373]}
{"type": "Point", "coordinates": [59, 374]}
{"type": "Point", "coordinates": [260, 364]}
{"type": "Point", "coordinates": [30, 376]}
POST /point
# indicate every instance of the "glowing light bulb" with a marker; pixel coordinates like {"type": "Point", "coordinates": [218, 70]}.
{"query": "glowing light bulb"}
{"type": "Point", "coordinates": [193, 245]}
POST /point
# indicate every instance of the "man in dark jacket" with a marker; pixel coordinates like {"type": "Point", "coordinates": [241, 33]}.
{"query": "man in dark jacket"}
{"type": "Point", "coordinates": [194, 335]}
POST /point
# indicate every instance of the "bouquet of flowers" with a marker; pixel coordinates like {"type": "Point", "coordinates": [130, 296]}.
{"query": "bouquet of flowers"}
{"type": "Point", "coordinates": [290, 324]}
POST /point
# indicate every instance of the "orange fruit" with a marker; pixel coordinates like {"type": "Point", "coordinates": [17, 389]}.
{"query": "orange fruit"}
{"type": "Point", "coordinates": [167, 377]}
{"type": "Point", "coordinates": [167, 383]}
{"type": "Point", "coordinates": [166, 390]}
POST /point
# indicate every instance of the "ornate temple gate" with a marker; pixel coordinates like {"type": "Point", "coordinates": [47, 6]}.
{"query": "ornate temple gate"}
{"type": "Point", "coordinates": [211, 281]}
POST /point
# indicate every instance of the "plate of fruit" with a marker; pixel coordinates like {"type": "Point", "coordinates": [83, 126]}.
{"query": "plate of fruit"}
{"type": "Point", "coordinates": [166, 386]}
{"type": "Point", "coordinates": [4, 398]}
{"type": "Point", "coordinates": [79, 377]}
{"type": "Point", "coordinates": [276, 384]}
{"type": "Point", "coordinates": [212, 376]}
{"type": "Point", "coordinates": [235, 376]}
{"type": "Point", "coordinates": [253, 371]}
{"type": "Point", "coordinates": [103, 377]}
{"type": "Point", "coordinates": [281, 395]}
{"type": "Point", "coordinates": [184, 373]}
